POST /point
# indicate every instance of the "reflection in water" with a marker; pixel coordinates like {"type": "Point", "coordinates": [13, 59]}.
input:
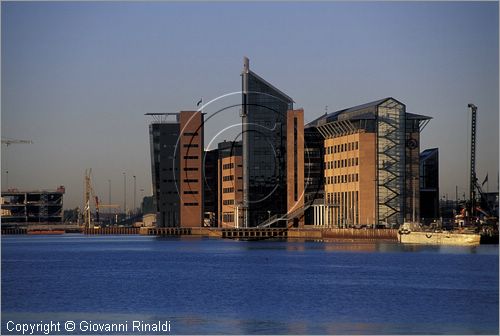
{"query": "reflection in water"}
{"type": "Point", "coordinates": [214, 286]}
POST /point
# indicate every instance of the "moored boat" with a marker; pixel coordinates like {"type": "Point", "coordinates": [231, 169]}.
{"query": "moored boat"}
{"type": "Point", "coordinates": [412, 233]}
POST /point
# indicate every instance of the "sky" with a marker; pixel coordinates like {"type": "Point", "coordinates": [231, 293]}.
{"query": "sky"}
{"type": "Point", "coordinates": [78, 77]}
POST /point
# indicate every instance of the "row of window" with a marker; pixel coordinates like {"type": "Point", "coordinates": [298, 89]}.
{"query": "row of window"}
{"type": "Point", "coordinates": [228, 217]}
{"type": "Point", "coordinates": [190, 157]}
{"type": "Point", "coordinates": [191, 204]}
{"type": "Point", "coordinates": [191, 192]}
{"type": "Point", "coordinates": [228, 165]}
{"type": "Point", "coordinates": [342, 178]}
{"type": "Point", "coordinates": [191, 169]}
{"type": "Point", "coordinates": [190, 133]}
{"type": "Point", "coordinates": [228, 190]}
{"type": "Point", "coordinates": [228, 202]}
{"type": "Point", "coordinates": [191, 145]}
{"type": "Point", "coordinates": [350, 162]}
{"type": "Point", "coordinates": [228, 178]}
{"type": "Point", "coordinates": [342, 147]}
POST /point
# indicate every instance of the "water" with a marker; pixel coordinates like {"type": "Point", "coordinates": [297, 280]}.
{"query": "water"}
{"type": "Point", "coordinates": [213, 286]}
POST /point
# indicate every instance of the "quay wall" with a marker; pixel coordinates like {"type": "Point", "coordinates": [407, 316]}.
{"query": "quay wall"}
{"type": "Point", "coordinates": [111, 231]}
{"type": "Point", "coordinates": [232, 233]}
{"type": "Point", "coordinates": [370, 234]}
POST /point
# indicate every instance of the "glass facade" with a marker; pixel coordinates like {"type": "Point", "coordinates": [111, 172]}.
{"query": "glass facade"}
{"type": "Point", "coordinates": [164, 169]}
{"type": "Point", "coordinates": [391, 162]}
{"type": "Point", "coordinates": [264, 152]}
{"type": "Point", "coordinates": [429, 185]}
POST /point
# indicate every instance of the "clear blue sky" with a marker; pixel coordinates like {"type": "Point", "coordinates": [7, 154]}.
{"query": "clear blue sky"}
{"type": "Point", "coordinates": [77, 78]}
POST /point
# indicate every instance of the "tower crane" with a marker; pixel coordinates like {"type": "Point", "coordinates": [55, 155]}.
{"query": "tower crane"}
{"type": "Point", "coordinates": [7, 142]}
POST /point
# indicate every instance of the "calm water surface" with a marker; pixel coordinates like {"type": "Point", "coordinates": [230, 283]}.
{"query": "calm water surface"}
{"type": "Point", "coordinates": [212, 286]}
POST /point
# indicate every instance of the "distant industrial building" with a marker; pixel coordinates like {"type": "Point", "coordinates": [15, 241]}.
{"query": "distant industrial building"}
{"type": "Point", "coordinates": [429, 185]}
{"type": "Point", "coordinates": [34, 206]}
{"type": "Point", "coordinates": [371, 157]}
{"type": "Point", "coordinates": [176, 152]}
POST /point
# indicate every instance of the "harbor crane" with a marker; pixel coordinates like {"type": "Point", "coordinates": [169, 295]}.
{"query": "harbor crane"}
{"type": "Point", "coordinates": [88, 195]}
{"type": "Point", "coordinates": [475, 188]}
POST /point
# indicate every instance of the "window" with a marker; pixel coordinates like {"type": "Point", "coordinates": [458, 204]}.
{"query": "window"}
{"type": "Point", "coordinates": [190, 133]}
{"type": "Point", "coordinates": [228, 178]}
{"type": "Point", "coordinates": [189, 157]}
{"type": "Point", "coordinates": [191, 204]}
{"type": "Point", "coordinates": [190, 169]}
{"type": "Point", "coordinates": [191, 192]}
{"type": "Point", "coordinates": [190, 180]}
{"type": "Point", "coordinates": [228, 190]}
{"type": "Point", "coordinates": [228, 217]}
{"type": "Point", "coordinates": [228, 202]}
{"type": "Point", "coordinates": [191, 145]}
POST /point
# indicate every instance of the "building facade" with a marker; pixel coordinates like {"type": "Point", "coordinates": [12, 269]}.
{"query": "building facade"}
{"type": "Point", "coordinates": [429, 185]}
{"type": "Point", "coordinates": [210, 187]}
{"type": "Point", "coordinates": [266, 126]}
{"type": "Point", "coordinates": [230, 181]}
{"type": "Point", "coordinates": [371, 160]}
{"type": "Point", "coordinates": [177, 168]}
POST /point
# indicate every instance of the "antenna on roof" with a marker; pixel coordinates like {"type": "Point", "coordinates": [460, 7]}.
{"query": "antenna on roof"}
{"type": "Point", "coordinates": [246, 64]}
{"type": "Point", "coordinates": [326, 109]}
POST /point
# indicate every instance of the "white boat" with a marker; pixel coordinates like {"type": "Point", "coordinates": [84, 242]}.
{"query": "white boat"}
{"type": "Point", "coordinates": [412, 233]}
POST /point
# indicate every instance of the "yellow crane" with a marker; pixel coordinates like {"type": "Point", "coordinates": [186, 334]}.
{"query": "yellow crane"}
{"type": "Point", "coordinates": [88, 195]}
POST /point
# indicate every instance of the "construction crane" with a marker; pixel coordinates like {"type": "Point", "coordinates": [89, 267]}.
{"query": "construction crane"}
{"type": "Point", "coordinates": [88, 195]}
{"type": "Point", "coordinates": [89, 191]}
{"type": "Point", "coordinates": [7, 143]}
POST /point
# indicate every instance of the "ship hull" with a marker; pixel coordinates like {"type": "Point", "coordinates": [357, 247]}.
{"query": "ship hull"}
{"type": "Point", "coordinates": [439, 238]}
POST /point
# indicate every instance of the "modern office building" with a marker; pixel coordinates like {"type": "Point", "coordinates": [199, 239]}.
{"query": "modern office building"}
{"type": "Point", "coordinates": [429, 185]}
{"type": "Point", "coordinates": [272, 137]}
{"type": "Point", "coordinates": [230, 182]}
{"type": "Point", "coordinates": [177, 168]}
{"type": "Point", "coordinates": [34, 206]}
{"type": "Point", "coordinates": [371, 157]}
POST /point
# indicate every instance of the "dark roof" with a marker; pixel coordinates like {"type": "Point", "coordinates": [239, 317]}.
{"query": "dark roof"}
{"type": "Point", "coordinates": [272, 86]}
{"type": "Point", "coordinates": [414, 116]}
{"type": "Point", "coordinates": [367, 115]}
{"type": "Point", "coordinates": [428, 152]}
